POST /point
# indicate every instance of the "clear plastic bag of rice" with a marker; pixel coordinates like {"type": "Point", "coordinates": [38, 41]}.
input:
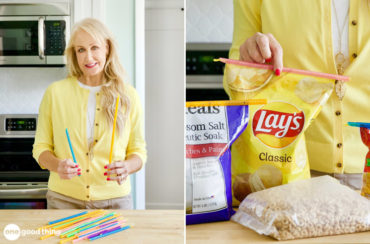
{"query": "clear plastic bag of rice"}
{"type": "Point", "coordinates": [313, 207]}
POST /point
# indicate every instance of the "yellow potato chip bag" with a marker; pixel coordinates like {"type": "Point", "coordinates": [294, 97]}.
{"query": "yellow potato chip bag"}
{"type": "Point", "coordinates": [272, 149]}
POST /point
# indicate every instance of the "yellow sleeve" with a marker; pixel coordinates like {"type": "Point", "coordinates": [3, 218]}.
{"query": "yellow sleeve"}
{"type": "Point", "coordinates": [44, 132]}
{"type": "Point", "coordinates": [136, 144]}
{"type": "Point", "coordinates": [247, 21]}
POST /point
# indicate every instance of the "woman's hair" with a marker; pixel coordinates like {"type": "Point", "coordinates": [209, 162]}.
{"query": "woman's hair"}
{"type": "Point", "coordinates": [113, 70]}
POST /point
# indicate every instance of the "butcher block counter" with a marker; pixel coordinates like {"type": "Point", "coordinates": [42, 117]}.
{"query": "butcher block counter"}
{"type": "Point", "coordinates": [231, 232]}
{"type": "Point", "coordinates": [147, 226]}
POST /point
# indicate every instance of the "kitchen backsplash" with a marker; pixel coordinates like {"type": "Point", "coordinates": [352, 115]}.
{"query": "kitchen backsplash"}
{"type": "Point", "coordinates": [209, 21]}
{"type": "Point", "coordinates": [21, 89]}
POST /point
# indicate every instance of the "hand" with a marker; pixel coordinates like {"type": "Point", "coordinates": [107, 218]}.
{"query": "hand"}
{"type": "Point", "coordinates": [261, 48]}
{"type": "Point", "coordinates": [117, 171]}
{"type": "Point", "coordinates": [67, 169]}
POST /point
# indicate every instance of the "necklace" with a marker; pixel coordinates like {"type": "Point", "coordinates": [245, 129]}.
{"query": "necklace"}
{"type": "Point", "coordinates": [340, 60]}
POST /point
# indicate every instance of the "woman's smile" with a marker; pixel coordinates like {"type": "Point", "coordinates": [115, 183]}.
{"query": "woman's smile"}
{"type": "Point", "coordinates": [91, 65]}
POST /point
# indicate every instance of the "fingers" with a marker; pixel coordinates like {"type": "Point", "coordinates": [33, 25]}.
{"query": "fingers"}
{"type": "Point", "coordinates": [119, 178]}
{"type": "Point", "coordinates": [263, 45]}
{"type": "Point", "coordinates": [277, 52]}
{"type": "Point", "coordinates": [116, 171]}
{"type": "Point", "coordinates": [261, 48]}
{"type": "Point", "coordinates": [67, 169]}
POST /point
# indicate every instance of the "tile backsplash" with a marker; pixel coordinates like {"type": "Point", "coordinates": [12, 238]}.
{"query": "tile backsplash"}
{"type": "Point", "coordinates": [209, 21]}
{"type": "Point", "coordinates": [21, 89]}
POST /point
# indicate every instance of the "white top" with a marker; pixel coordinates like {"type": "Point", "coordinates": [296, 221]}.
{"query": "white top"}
{"type": "Point", "coordinates": [342, 7]}
{"type": "Point", "coordinates": [91, 106]}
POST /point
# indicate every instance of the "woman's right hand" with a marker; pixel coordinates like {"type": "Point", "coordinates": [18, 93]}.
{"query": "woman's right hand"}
{"type": "Point", "coordinates": [67, 169]}
{"type": "Point", "coordinates": [261, 48]}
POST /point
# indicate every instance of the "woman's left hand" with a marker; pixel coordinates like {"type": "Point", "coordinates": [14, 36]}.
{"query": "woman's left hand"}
{"type": "Point", "coordinates": [117, 171]}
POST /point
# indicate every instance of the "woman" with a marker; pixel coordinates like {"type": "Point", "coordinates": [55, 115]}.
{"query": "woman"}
{"type": "Point", "coordinates": [84, 103]}
{"type": "Point", "coordinates": [313, 39]}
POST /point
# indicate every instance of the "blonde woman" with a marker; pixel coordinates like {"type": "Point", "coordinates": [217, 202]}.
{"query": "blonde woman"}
{"type": "Point", "coordinates": [84, 103]}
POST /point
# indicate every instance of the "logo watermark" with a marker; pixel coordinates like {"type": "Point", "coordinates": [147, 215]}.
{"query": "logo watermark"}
{"type": "Point", "coordinates": [12, 232]}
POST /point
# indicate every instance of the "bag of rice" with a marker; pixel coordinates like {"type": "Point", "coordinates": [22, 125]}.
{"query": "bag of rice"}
{"type": "Point", "coordinates": [272, 149]}
{"type": "Point", "coordinates": [306, 208]}
{"type": "Point", "coordinates": [211, 128]}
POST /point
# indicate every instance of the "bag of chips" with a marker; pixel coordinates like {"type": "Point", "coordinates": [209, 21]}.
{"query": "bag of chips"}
{"type": "Point", "coordinates": [272, 149]}
{"type": "Point", "coordinates": [211, 128]}
{"type": "Point", "coordinates": [313, 207]}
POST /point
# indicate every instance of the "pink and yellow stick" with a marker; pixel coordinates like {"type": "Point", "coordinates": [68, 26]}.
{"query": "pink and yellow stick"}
{"type": "Point", "coordinates": [114, 128]}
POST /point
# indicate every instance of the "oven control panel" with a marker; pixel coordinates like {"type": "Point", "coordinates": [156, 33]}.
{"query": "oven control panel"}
{"type": "Point", "coordinates": [202, 62]}
{"type": "Point", "coordinates": [20, 124]}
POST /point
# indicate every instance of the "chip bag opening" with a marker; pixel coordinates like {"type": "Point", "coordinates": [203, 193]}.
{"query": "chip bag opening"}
{"type": "Point", "coordinates": [211, 128]}
{"type": "Point", "coordinates": [272, 149]}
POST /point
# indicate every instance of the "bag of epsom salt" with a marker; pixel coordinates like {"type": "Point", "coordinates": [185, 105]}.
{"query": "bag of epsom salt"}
{"type": "Point", "coordinates": [272, 149]}
{"type": "Point", "coordinates": [211, 128]}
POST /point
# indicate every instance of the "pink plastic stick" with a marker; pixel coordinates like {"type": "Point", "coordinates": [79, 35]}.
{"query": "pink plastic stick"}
{"type": "Point", "coordinates": [291, 70]}
{"type": "Point", "coordinates": [121, 224]}
{"type": "Point", "coordinates": [100, 226]}
{"type": "Point", "coordinates": [73, 226]}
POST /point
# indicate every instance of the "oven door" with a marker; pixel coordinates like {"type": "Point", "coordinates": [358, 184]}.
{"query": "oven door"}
{"type": "Point", "coordinates": [23, 184]}
{"type": "Point", "coordinates": [205, 88]}
{"type": "Point", "coordinates": [23, 195]}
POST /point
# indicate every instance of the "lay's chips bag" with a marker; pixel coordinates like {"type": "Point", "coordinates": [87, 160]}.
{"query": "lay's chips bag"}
{"type": "Point", "coordinates": [272, 149]}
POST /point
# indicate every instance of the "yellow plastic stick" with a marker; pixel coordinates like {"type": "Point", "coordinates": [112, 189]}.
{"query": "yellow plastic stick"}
{"type": "Point", "coordinates": [226, 103]}
{"type": "Point", "coordinates": [85, 215]}
{"type": "Point", "coordinates": [68, 239]}
{"type": "Point", "coordinates": [98, 222]}
{"type": "Point", "coordinates": [46, 236]}
{"type": "Point", "coordinates": [114, 128]}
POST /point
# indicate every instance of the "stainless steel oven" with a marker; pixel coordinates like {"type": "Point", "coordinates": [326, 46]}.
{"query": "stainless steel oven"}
{"type": "Point", "coordinates": [33, 34]}
{"type": "Point", "coordinates": [23, 184]}
{"type": "Point", "coordinates": [203, 75]}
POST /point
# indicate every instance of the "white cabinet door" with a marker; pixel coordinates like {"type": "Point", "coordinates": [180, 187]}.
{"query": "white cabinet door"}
{"type": "Point", "coordinates": [165, 107]}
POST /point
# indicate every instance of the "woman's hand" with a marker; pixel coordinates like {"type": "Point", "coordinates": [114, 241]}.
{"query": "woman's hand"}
{"type": "Point", "coordinates": [261, 48]}
{"type": "Point", "coordinates": [67, 169]}
{"type": "Point", "coordinates": [117, 171]}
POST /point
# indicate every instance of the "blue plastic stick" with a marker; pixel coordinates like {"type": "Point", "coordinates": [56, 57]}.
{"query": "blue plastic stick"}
{"type": "Point", "coordinates": [70, 147]}
{"type": "Point", "coordinates": [69, 217]}
{"type": "Point", "coordinates": [109, 233]}
{"type": "Point", "coordinates": [359, 124]}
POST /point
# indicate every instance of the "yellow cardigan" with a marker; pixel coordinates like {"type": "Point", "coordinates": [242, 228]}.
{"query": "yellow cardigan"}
{"type": "Point", "coordinates": [64, 106]}
{"type": "Point", "coordinates": [303, 28]}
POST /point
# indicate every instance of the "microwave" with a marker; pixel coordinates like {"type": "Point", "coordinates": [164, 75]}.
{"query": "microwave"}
{"type": "Point", "coordinates": [34, 34]}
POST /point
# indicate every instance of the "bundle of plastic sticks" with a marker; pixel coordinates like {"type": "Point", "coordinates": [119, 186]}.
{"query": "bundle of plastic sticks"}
{"type": "Point", "coordinates": [85, 226]}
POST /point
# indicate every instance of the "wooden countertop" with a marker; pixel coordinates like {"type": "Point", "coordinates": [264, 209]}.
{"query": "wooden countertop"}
{"type": "Point", "coordinates": [148, 226]}
{"type": "Point", "coordinates": [231, 232]}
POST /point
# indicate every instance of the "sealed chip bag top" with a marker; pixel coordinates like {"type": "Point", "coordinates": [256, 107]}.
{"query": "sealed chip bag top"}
{"type": "Point", "coordinates": [272, 150]}
{"type": "Point", "coordinates": [211, 128]}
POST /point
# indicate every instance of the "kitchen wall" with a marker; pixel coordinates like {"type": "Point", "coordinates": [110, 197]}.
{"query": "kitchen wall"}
{"type": "Point", "coordinates": [164, 37]}
{"type": "Point", "coordinates": [21, 89]}
{"type": "Point", "coordinates": [209, 21]}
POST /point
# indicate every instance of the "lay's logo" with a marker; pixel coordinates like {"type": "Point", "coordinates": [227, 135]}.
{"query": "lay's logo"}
{"type": "Point", "coordinates": [278, 124]}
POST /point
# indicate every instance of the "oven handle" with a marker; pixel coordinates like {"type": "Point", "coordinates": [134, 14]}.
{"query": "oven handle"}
{"type": "Point", "coordinates": [23, 193]}
{"type": "Point", "coordinates": [41, 37]}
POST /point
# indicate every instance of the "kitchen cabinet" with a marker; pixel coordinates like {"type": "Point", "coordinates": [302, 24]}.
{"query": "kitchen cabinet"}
{"type": "Point", "coordinates": [164, 107]}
